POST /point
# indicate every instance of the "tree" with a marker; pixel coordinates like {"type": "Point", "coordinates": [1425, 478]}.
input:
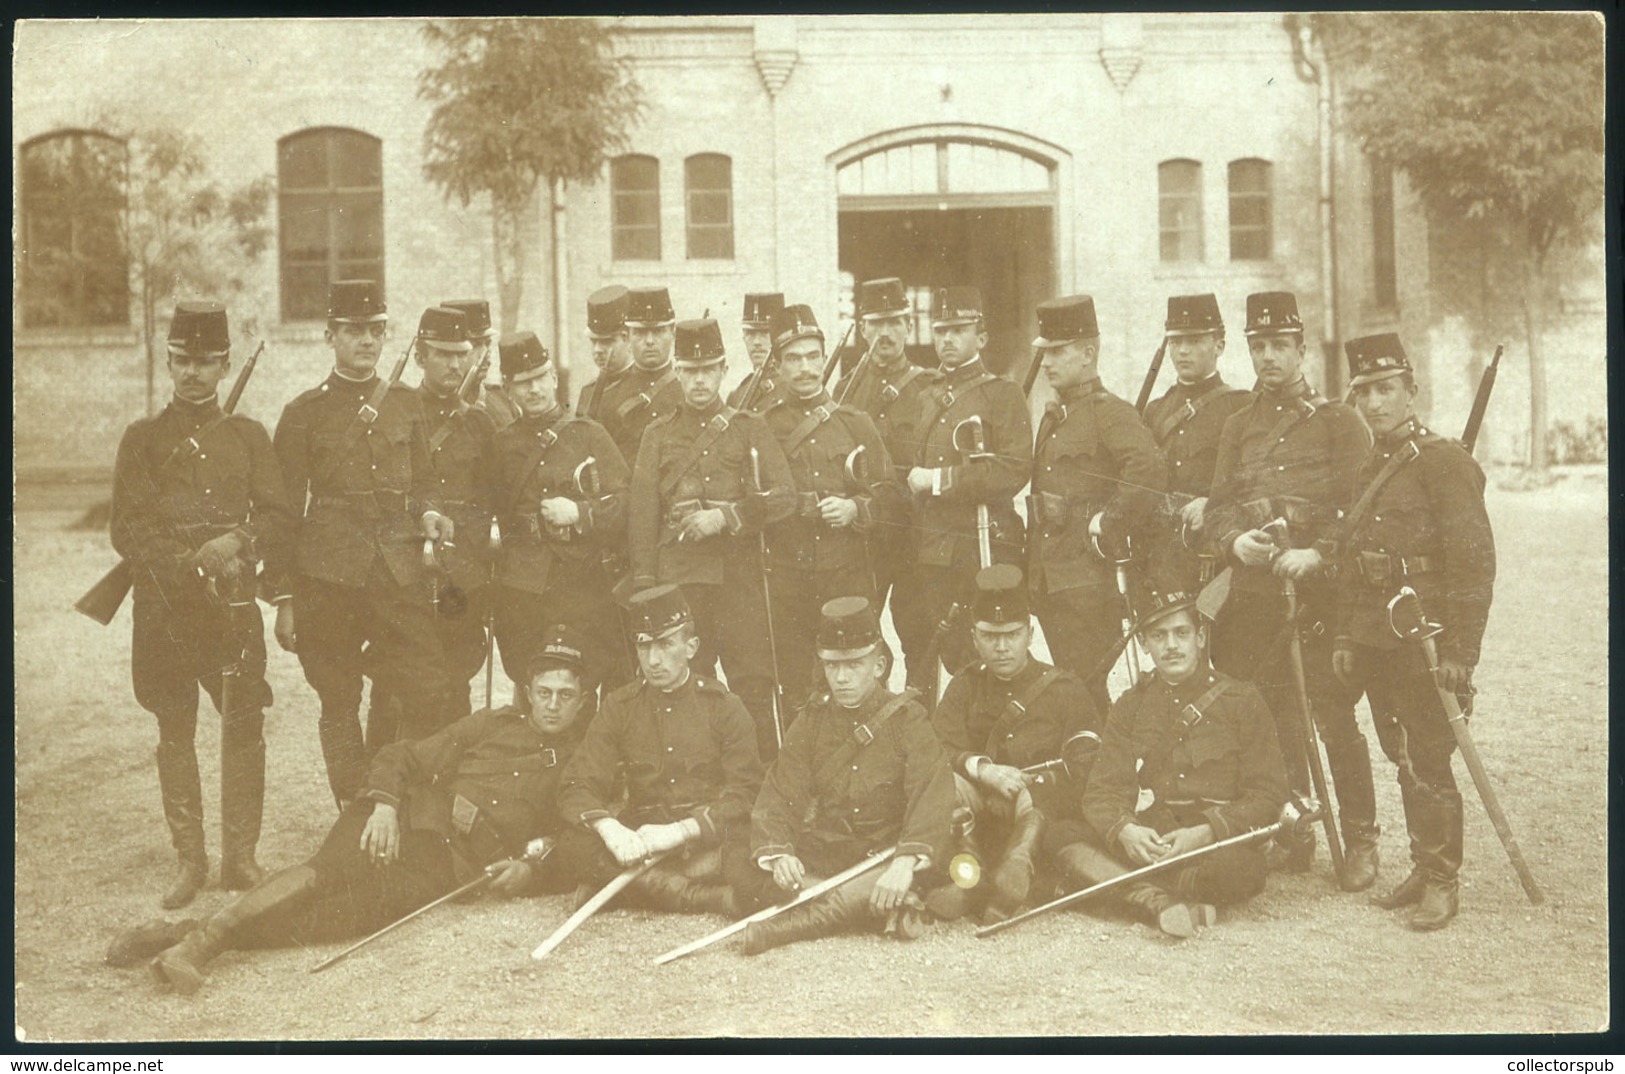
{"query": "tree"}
{"type": "Point", "coordinates": [516, 102]}
{"type": "Point", "coordinates": [1496, 118]}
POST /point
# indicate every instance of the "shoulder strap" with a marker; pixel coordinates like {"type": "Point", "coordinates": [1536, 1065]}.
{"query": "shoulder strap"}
{"type": "Point", "coordinates": [1303, 408]}
{"type": "Point", "coordinates": [1185, 413]}
{"type": "Point", "coordinates": [359, 424]}
{"type": "Point", "coordinates": [193, 444]}
{"type": "Point", "coordinates": [945, 399]}
{"type": "Point", "coordinates": [892, 392]}
{"type": "Point", "coordinates": [714, 428]}
{"type": "Point", "coordinates": [548, 438]}
{"type": "Point", "coordinates": [1368, 498]}
{"type": "Point", "coordinates": [645, 398]}
{"type": "Point", "coordinates": [818, 416]}
{"type": "Point", "coordinates": [1196, 711]}
{"type": "Point", "coordinates": [862, 736]}
{"type": "Point", "coordinates": [447, 428]}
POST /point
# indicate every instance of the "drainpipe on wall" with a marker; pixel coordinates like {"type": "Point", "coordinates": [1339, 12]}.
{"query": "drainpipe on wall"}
{"type": "Point", "coordinates": [1311, 57]}
{"type": "Point", "coordinates": [561, 267]}
{"type": "Point", "coordinates": [776, 55]}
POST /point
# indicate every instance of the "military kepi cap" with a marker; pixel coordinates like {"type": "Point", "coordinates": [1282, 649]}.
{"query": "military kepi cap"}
{"type": "Point", "coordinates": [882, 298]}
{"type": "Point", "coordinates": [199, 329]}
{"type": "Point", "coordinates": [848, 628]}
{"type": "Point", "coordinates": [1065, 320]}
{"type": "Point", "coordinates": [1375, 358]}
{"type": "Point", "coordinates": [658, 612]}
{"type": "Point", "coordinates": [699, 344]}
{"type": "Point", "coordinates": [444, 329]}
{"type": "Point", "coordinates": [606, 311]}
{"type": "Point", "coordinates": [1273, 313]}
{"type": "Point", "coordinates": [760, 308]}
{"type": "Point", "coordinates": [1162, 605]}
{"type": "Point", "coordinates": [476, 316]}
{"type": "Point", "coordinates": [956, 305]}
{"type": "Point", "coordinates": [356, 302]}
{"type": "Point", "coordinates": [523, 355]}
{"type": "Point", "coordinates": [1193, 315]}
{"type": "Point", "coordinates": [1001, 598]}
{"type": "Point", "coordinates": [793, 323]}
{"type": "Point", "coordinates": [560, 648]}
{"type": "Point", "coordinates": [649, 307]}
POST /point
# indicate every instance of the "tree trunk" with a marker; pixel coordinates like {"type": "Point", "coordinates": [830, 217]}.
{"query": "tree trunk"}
{"type": "Point", "coordinates": [1532, 300]}
{"type": "Point", "coordinates": [148, 317]}
{"type": "Point", "coordinates": [508, 257]}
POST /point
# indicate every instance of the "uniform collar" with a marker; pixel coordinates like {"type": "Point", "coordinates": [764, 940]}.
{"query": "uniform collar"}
{"type": "Point", "coordinates": [653, 374]}
{"type": "Point", "coordinates": [1409, 430]}
{"type": "Point", "coordinates": [807, 405]}
{"type": "Point", "coordinates": [1200, 387]}
{"type": "Point", "coordinates": [1079, 392]}
{"type": "Point", "coordinates": [716, 406]}
{"type": "Point", "coordinates": [1298, 389]}
{"type": "Point", "coordinates": [201, 411]}
{"type": "Point", "coordinates": [338, 381]}
{"type": "Point", "coordinates": [964, 371]}
{"type": "Point", "coordinates": [542, 421]}
{"type": "Point", "coordinates": [1192, 687]}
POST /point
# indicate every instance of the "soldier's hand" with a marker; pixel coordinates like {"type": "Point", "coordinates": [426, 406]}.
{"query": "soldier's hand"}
{"type": "Point", "coordinates": [893, 885]}
{"type": "Point", "coordinates": [706, 522]}
{"type": "Point", "coordinates": [1453, 675]}
{"type": "Point", "coordinates": [1191, 514]}
{"type": "Point", "coordinates": [220, 558]}
{"type": "Point", "coordinates": [659, 837]}
{"type": "Point", "coordinates": [381, 838]}
{"type": "Point", "coordinates": [1343, 666]}
{"type": "Point", "coordinates": [285, 635]}
{"type": "Point", "coordinates": [1185, 840]}
{"type": "Point", "coordinates": [919, 480]}
{"type": "Point", "coordinates": [1254, 548]}
{"type": "Point", "coordinates": [788, 872]}
{"type": "Point", "coordinates": [558, 511]}
{"type": "Point", "coordinates": [1142, 845]}
{"type": "Point", "coordinates": [838, 511]}
{"type": "Point", "coordinates": [437, 527]}
{"type": "Point", "coordinates": [621, 841]}
{"type": "Point", "coordinates": [1297, 563]}
{"type": "Point", "coordinates": [1001, 779]}
{"type": "Point", "coordinates": [510, 878]}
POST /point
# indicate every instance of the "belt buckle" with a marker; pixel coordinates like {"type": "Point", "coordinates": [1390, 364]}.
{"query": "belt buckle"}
{"type": "Point", "coordinates": [863, 734]}
{"type": "Point", "coordinates": [551, 758]}
{"type": "Point", "coordinates": [1191, 716]}
{"type": "Point", "coordinates": [367, 414]}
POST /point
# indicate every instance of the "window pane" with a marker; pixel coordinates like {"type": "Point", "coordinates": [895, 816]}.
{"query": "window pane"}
{"type": "Point", "coordinates": [304, 228]}
{"type": "Point", "coordinates": [636, 244]}
{"type": "Point", "coordinates": [637, 210]}
{"type": "Point", "coordinates": [331, 215]}
{"type": "Point", "coordinates": [1250, 210]}
{"type": "Point", "coordinates": [635, 173]}
{"type": "Point", "coordinates": [1249, 245]}
{"type": "Point", "coordinates": [706, 209]}
{"type": "Point", "coordinates": [73, 269]}
{"type": "Point", "coordinates": [358, 227]}
{"type": "Point", "coordinates": [304, 292]}
{"type": "Point", "coordinates": [357, 160]}
{"type": "Point", "coordinates": [302, 162]}
{"type": "Point", "coordinates": [1179, 177]}
{"type": "Point", "coordinates": [709, 243]}
{"type": "Point", "coordinates": [1179, 210]}
{"type": "Point", "coordinates": [708, 179]}
{"type": "Point", "coordinates": [709, 171]}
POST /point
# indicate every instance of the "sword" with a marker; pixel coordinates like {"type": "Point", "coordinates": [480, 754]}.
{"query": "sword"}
{"type": "Point", "coordinates": [977, 450]}
{"type": "Point", "coordinates": [621, 880]}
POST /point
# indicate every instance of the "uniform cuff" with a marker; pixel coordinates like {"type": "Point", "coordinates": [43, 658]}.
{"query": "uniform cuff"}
{"type": "Point", "coordinates": [730, 515]}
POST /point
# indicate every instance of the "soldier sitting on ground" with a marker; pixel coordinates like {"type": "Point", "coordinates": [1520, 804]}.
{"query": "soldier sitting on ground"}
{"type": "Point", "coordinates": [433, 814]}
{"type": "Point", "coordinates": [860, 771]}
{"type": "Point", "coordinates": [1188, 758]}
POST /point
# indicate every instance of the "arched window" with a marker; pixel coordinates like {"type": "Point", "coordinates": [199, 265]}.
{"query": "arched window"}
{"type": "Point", "coordinates": [708, 188]}
{"type": "Point", "coordinates": [1179, 193]}
{"type": "Point", "coordinates": [73, 268]}
{"type": "Point", "coordinates": [634, 184]}
{"type": "Point", "coordinates": [1250, 212]}
{"type": "Point", "coordinates": [330, 188]}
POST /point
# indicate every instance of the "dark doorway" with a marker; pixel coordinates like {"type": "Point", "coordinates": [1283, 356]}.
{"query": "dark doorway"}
{"type": "Point", "coordinates": [1007, 252]}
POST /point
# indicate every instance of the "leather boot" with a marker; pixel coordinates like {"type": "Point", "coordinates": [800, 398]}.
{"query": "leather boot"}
{"type": "Point", "coordinates": [667, 889]}
{"type": "Point", "coordinates": [1014, 875]}
{"type": "Point", "coordinates": [182, 966]}
{"type": "Point", "coordinates": [1360, 859]}
{"type": "Point", "coordinates": [826, 915]}
{"type": "Point", "coordinates": [1437, 905]}
{"type": "Point", "coordinates": [1174, 917]}
{"type": "Point", "coordinates": [242, 799]}
{"type": "Point", "coordinates": [136, 945]}
{"type": "Point", "coordinates": [1292, 853]}
{"type": "Point", "coordinates": [183, 811]}
{"type": "Point", "coordinates": [1408, 892]}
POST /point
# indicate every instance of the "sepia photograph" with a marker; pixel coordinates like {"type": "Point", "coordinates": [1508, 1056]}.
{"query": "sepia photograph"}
{"type": "Point", "coordinates": [732, 527]}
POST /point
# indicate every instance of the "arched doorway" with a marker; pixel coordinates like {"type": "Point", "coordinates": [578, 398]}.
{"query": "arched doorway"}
{"type": "Point", "coordinates": [954, 204]}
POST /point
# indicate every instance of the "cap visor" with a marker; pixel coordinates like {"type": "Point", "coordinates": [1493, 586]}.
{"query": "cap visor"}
{"type": "Point", "coordinates": [1191, 331]}
{"type": "Point", "coordinates": [529, 374]}
{"type": "Point", "coordinates": [1370, 378]}
{"type": "Point", "coordinates": [369, 319]}
{"type": "Point", "coordinates": [458, 348]}
{"type": "Point", "coordinates": [1002, 628]}
{"type": "Point", "coordinates": [651, 324]}
{"type": "Point", "coordinates": [848, 654]}
{"type": "Point", "coordinates": [643, 636]}
{"type": "Point", "coordinates": [945, 322]}
{"type": "Point", "coordinates": [1296, 330]}
{"type": "Point", "coordinates": [194, 352]}
{"type": "Point", "coordinates": [1162, 613]}
{"type": "Point", "coordinates": [881, 315]}
{"type": "Point", "coordinates": [1045, 343]}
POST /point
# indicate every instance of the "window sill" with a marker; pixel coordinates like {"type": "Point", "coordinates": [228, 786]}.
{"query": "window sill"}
{"type": "Point", "coordinates": [77, 337]}
{"type": "Point", "coordinates": [299, 332]}
{"type": "Point", "coordinates": [1180, 270]}
{"type": "Point", "coordinates": [663, 269]}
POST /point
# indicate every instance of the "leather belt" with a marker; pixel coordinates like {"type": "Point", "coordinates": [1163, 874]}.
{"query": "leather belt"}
{"type": "Point", "coordinates": [377, 500]}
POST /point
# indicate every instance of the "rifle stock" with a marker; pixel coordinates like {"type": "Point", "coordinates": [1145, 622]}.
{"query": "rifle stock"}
{"type": "Point", "coordinates": [1150, 382]}
{"type": "Point", "coordinates": [1481, 402]}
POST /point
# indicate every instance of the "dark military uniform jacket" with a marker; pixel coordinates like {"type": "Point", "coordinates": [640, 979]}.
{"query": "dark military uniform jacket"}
{"type": "Point", "coordinates": [630, 401]}
{"type": "Point", "coordinates": [768, 396]}
{"type": "Point", "coordinates": [486, 782]}
{"type": "Point", "coordinates": [690, 752]}
{"type": "Point", "coordinates": [502, 410]}
{"type": "Point", "coordinates": [362, 496]}
{"type": "Point", "coordinates": [830, 805]}
{"type": "Point", "coordinates": [1186, 423]}
{"type": "Point", "coordinates": [695, 460]}
{"type": "Point", "coordinates": [946, 517]}
{"type": "Point", "coordinates": [1020, 722]}
{"type": "Point", "coordinates": [1217, 763]}
{"type": "Point", "coordinates": [463, 455]}
{"type": "Point", "coordinates": [1093, 455]}
{"type": "Point", "coordinates": [817, 437]}
{"type": "Point", "coordinates": [891, 396]}
{"type": "Point", "coordinates": [1425, 528]}
{"type": "Point", "coordinates": [537, 459]}
{"type": "Point", "coordinates": [1290, 455]}
{"type": "Point", "coordinates": [166, 504]}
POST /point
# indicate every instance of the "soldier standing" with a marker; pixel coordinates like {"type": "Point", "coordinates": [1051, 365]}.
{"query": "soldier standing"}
{"type": "Point", "coordinates": [1418, 521]}
{"type": "Point", "coordinates": [198, 499]}
{"type": "Point", "coordinates": [1185, 422]}
{"type": "Point", "coordinates": [561, 494]}
{"type": "Point", "coordinates": [1004, 714]}
{"type": "Point", "coordinates": [1292, 454]}
{"type": "Point", "coordinates": [648, 391]}
{"type": "Point", "coordinates": [845, 491]}
{"type": "Point", "coordinates": [680, 751]}
{"type": "Point", "coordinates": [974, 455]}
{"type": "Point", "coordinates": [705, 485]}
{"type": "Point", "coordinates": [355, 452]}
{"type": "Point", "coordinates": [889, 388]}
{"type": "Point", "coordinates": [762, 381]}
{"type": "Point", "coordinates": [482, 338]}
{"type": "Point", "coordinates": [611, 348]}
{"type": "Point", "coordinates": [860, 772]}
{"type": "Point", "coordinates": [1097, 475]}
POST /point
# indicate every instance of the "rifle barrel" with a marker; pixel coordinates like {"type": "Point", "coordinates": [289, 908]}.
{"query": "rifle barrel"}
{"type": "Point", "coordinates": [241, 382]}
{"type": "Point", "coordinates": [1150, 382]}
{"type": "Point", "coordinates": [1481, 402]}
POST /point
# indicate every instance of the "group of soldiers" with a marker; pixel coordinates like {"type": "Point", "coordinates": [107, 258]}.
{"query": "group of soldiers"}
{"type": "Point", "coordinates": [614, 553]}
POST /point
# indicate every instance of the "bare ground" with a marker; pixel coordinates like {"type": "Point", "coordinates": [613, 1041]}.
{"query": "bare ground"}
{"type": "Point", "coordinates": [92, 856]}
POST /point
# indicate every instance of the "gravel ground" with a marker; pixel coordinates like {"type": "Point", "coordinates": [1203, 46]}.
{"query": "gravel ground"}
{"type": "Point", "coordinates": [1303, 958]}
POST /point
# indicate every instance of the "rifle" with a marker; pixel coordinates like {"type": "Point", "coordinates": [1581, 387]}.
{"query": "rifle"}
{"type": "Point", "coordinates": [1031, 379]}
{"type": "Point", "coordinates": [493, 546]}
{"type": "Point", "coordinates": [833, 359]}
{"type": "Point", "coordinates": [1150, 381]}
{"type": "Point", "coordinates": [845, 390]}
{"type": "Point", "coordinates": [806, 895]}
{"type": "Point", "coordinates": [1408, 622]}
{"type": "Point", "coordinates": [536, 851]}
{"type": "Point", "coordinates": [1481, 402]}
{"type": "Point", "coordinates": [767, 605]}
{"type": "Point", "coordinates": [934, 648]}
{"type": "Point", "coordinates": [1077, 757]}
{"type": "Point", "coordinates": [102, 601]}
